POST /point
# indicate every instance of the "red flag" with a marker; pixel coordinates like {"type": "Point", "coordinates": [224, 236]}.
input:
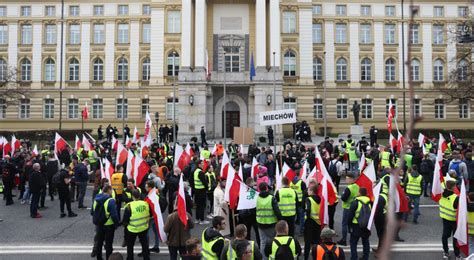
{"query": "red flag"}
{"type": "Point", "coordinates": [442, 143]}
{"type": "Point", "coordinates": [367, 179]}
{"type": "Point", "coordinates": [393, 144]}
{"type": "Point", "coordinates": [288, 172]}
{"type": "Point", "coordinates": [136, 136]}
{"type": "Point", "coordinates": [77, 144]}
{"type": "Point", "coordinates": [7, 147]}
{"type": "Point", "coordinates": [461, 233]}
{"type": "Point", "coordinates": [130, 165]}
{"type": "Point", "coordinates": [141, 169]}
{"type": "Point", "coordinates": [189, 150]}
{"type": "Point", "coordinates": [205, 165]}
{"type": "Point", "coordinates": [391, 116]}
{"type": "Point", "coordinates": [154, 203]}
{"type": "Point", "coordinates": [114, 143]}
{"type": "Point", "coordinates": [85, 112]}
{"type": "Point", "coordinates": [128, 142]}
{"type": "Point", "coordinates": [232, 187]}
{"type": "Point", "coordinates": [401, 200]}
{"type": "Point", "coordinates": [323, 173]}
{"type": "Point", "coordinates": [87, 145]}
{"type": "Point", "coordinates": [106, 171]}
{"type": "Point", "coordinates": [15, 145]}
{"type": "Point", "coordinates": [59, 144]}
{"type": "Point", "coordinates": [400, 141]}
{"type": "Point", "coordinates": [323, 207]}
{"type": "Point", "coordinates": [122, 154]}
{"type": "Point", "coordinates": [436, 188]}
{"type": "Point", "coordinates": [183, 216]}
{"type": "Point", "coordinates": [35, 153]}
{"type": "Point", "coordinates": [181, 158]}
{"type": "Point", "coordinates": [147, 134]}
{"type": "Point", "coordinates": [2, 140]}
{"type": "Point", "coordinates": [225, 166]}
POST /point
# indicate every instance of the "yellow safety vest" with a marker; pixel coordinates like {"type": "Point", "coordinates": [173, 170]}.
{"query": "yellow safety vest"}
{"type": "Point", "coordinates": [386, 160]}
{"type": "Point", "coordinates": [117, 183]}
{"type": "Point", "coordinates": [286, 202]}
{"type": "Point", "coordinates": [352, 154]}
{"type": "Point", "coordinates": [207, 252]}
{"type": "Point", "coordinates": [91, 157]}
{"type": "Point", "coordinates": [297, 188]}
{"type": "Point", "coordinates": [348, 144]}
{"type": "Point", "coordinates": [385, 208]}
{"type": "Point", "coordinates": [470, 223]}
{"type": "Point", "coordinates": [314, 210]}
{"type": "Point", "coordinates": [107, 212]}
{"type": "Point", "coordinates": [361, 200]}
{"type": "Point", "coordinates": [446, 207]}
{"type": "Point", "coordinates": [140, 216]}
{"type": "Point", "coordinates": [414, 185]}
{"type": "Point", "coordinates": [428, 147]}
{"type": "Point", "coordinates": [231, 254]}
{"type": "Point", "coordinates": [209, 176]}
{"type": "Point", "coordinates": [283, 240]}
{"type": "Point", "coordinates": [198, 185]}
{"type": "Point", "coordinates": [384, 184]}
{"type": "Point", "coordinates": [354, 189]}
{"type": "Point", "coordinates": [206, 154]}
{"type": "Point", "coordinates": [265, 213]}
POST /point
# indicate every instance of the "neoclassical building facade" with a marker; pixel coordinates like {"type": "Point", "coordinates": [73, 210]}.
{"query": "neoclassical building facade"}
{"type": "Point", "coordinates": [124, 58]}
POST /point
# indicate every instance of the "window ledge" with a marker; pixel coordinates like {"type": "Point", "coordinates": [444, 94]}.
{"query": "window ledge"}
{"type": "Point", "coordinates": [395, 44]}
{"type": "Point", "coordinates": [391, 81]}
{"type": "Point", "coordinates": [342, 81]}
{"type": "Point", "coordinates": [367, 81]}
{"type": "Point", "coordinates": [98, 44]}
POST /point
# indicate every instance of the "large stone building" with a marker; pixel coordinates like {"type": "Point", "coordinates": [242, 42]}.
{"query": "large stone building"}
{"type": "Point", "coordinates": [297, 47]}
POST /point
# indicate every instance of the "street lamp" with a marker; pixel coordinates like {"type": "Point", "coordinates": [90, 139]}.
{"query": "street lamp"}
{"type": "Point", "coordinates": [191, 100]}
{"type": "Point", "coordinates": [269, 100]}
{"type": "Point", "coordinates": [324, 109]}
{"type": "Point", "coordinates": [157, 119]}
{"type": "Point", "coordinates": [61, 68]}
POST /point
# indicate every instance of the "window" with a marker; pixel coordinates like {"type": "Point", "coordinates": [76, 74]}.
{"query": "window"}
{"type": "Point", "coordinates": [289, 22]}
{"type": "Point", "coordinates": [49, 70]}
{"type": "Point", "coordinates": [415, 70]}
{"type": "Point", "coordinates": [3, 109]}
{"type": "Point", "coordinates": [317, 33]}
{"type": "Point", "coordinates": [50, 34]}
{"type": "Point", "coordinates": [48, 110]}
{"type": "Point", "coordinates": [341, 69]}
{"type": "Point", "coordinates": [26, 11]}
{"type": "Point", "coordinates": [24, 108]}
{"type": "Point", "coordinates": [73, 70]}
{"type": "Point", "coordinates": [122, 108]}
{"type": "Point", "coordinates": [318, 108]}
{"type": "Point", "coordinates": [26, 34]}
{"type": "Point", "coordinates": [438, 70]}
{"type": "Point", "coordinates": [50, 10]}
{"type": "Point", "coordinates": [174, 21]}
{"type": "Point", "coordinates": [317, 69]}
{"type": "Point", "coordinates": [98, 70]}
{"type": "Point", "coordinates": [387, 105]}
{"type": "Point", "coordinates": [438, 11]}
{"type": "Point", "coordinates": [341, 108]}
{"type": "Point", "coordinates": [439, 109]}
{"type": "Point", "coordinates": [146, 33]}
{"type": "Point", "coordinates": [3, 11]}
{"type": "Point", "coordinates": [289, 103]}
{"type": "Point", "coordinates": [99, 33]}
{"type": "Point", "coordinates": [341, 29]}
{"type": "Point", "coordinates": [3, 34]}
{"type": "Point", "coordinates": [25, 70]}
{"type": "Point", "coordinates": [73, 108]}
{"type": "Point", "coordinates": [231, 59]}
{"type": "Point", "coordinates": [74, 34]}
{"type": "Point", "coordinates": [438, 37]}
{"type": "Point", "coordinates": [123, 9]}
{"type": "Point", "coordinates": [122, 69]}
{"type": "Point", "coordinates": [341, 10]}
{"type": "Point", "coordinates": [463, 70]}
{"type": "Point", "coordinates": [122, 36]}
{"type": "Point", "coordinates": [415, 34]}
{"type": "Point", "coordinates": [317, 10]}
{"type": "Point", "coordinates": [390, 70]}
{"type": "Point", "coordinates": [390, 10]}
{"type": "Point", "coordinates": [146, 69]}
{"type": "Point", "coordinates": [365, 33]}
{"type": "Point", "coordinates": [73, 10]}
{"type": "Point", "coordinates": [146, 10]}
{"type": "Point", "coordinates": [366, 70]}
{"type": "Point", "coordinates": [390, 34]}
{"type": "Point", "coordinates": [462, 11]}
{"type": "Point", "coordinates": [366, 108]}
{"type": "Point", "coordinates": [289, 64]}
{"type": "Point", "coordinates": [170, 108]}
{"type": "Point", "coordinates": [98, 10]}
{"type": "Point", "coordinates": [173, 64]}
{"type": "Point", "coordinates": [3, 70]}
{"type": "Point", "coordinates": [145, 106]}
{"type": "Point", "coordinates": [464, 108]}
{"type": "Point", "coordinates": [97, 108]}
{"type": "Point", "coordinates": [417, 108]}
{"type": "Point", "coordinates": [365, 10]}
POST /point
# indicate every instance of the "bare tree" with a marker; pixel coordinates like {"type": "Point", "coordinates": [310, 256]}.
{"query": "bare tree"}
{"type": "Point", "coordinates": [11, 89]}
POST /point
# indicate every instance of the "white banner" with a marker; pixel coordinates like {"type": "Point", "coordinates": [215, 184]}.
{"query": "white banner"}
{"type": "Point", "coordinates": [278, 117]}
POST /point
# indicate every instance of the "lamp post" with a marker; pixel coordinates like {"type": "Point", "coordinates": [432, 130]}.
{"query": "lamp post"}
{"type": "Point", "coordinates": [403, 69]}
{"type": "Point", "coordinates": [324, 108]}
{"type": "Point", "coordinates": [61, 68]}
{"type": "Point", "coordinates": [157, 119]}
{"type": "Point", "coordinates": [225, 110]}
{"type": "Point", "coordinates": [275, 132]}
{"type": "Point", "coordinates": [174, 101]}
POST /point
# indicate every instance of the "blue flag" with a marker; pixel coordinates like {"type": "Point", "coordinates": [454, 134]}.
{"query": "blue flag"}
{"type": "Point", "coordinates": [252, 68]}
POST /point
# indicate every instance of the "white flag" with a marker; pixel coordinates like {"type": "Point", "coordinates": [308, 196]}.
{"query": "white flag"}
{"type": "Point", "coordinates": [248, 197]}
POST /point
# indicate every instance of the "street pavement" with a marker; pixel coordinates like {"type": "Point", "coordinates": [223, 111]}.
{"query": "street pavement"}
{"type": "Point", "coordinates": [52, 237]}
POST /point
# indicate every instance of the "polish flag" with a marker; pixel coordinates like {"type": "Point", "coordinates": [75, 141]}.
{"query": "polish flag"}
{"type": "Point", "coordinates": [85, 112]}
{"type": "Point", "coordinates": [241, 149]}
{"type": "Point", "coordinates": [436, 188]}
{"type": "Point", "coordinates": [90, 137]}
{"type": "Point", "coordinates": [453, 139]}
{"type": "Point", "coordinates": [141, 168]}
{"type": "Point", "coordinates": [183, 216]}
{"type": "Point", "coordinates": [400, 141]}
{"type": "Point", "coordinates": [130, 165]}
{"type": "Point", "coordinates": [391, 116]}
{"type": "Point", "coordinates": [107, 170]}
{"type": "Point", "coordinates": [87, 145]}
{"type": "Point", "coordinates": [114, 143]}
{"type": "Point", "coordinates": [377, 191]}
{"type": "Point", "coordinates": [461, 233]}
{"type": "Point", "coordinates": [312, 175]}
{"type": "Point", "coordinates": [77, 144]}
{"type": "Point", "coordinates": [35, 151]}
{"type": "Point", "coordinates": [147, 138]}
{"type": "Point", "coordinates": [7, 147]}
{"type": "Point", "coordinates": [303, 172]}
{"type": "Point", "coordinates": [59, 144]}
{"type": "Point", "coordinates": [2, 139]}
{"type": "Point", "coordinates": [362, 162]}
{"type": "Point", "coordinates": [232, 187]}
{"type": "Point", "coordinates": [324, 194]}
{"type": "Point", "coordinates": [288, 172]}
{"type": "Point", "coordinates": [225, 166]}
{"type": "Point", "coordinates": [144, 150]}
{"type": "Point", "coordinates": [181, 158]}
{"type": "Point", "coordinates": [189, 150]}
{"type": "Point", "coordinates": [214, 150]}
{"type": "Point", "coordinates": [399, 197]}
{"type": "Point", "coordinates": [442, 143]}
{"type": "Point", "coordinates": [255, 168]}
{"type": "Point", "coordinates": [393, 143]}
{"type": "Point", "coordinates": [128, 142]}
{"type": "Point", "coordinates": [15, 144]}
{"type": "Point", "coordinates": [421, 139]}
{"type": "Point", "coordinates": [154, 203]}
{"type": "Point", "coordinates": [324, 175]}
{"type": "Point", "coordinates": [122, 154]}
{"type": "Point", "coordinates": [102, 171]}
{"type": "Point", "coordinates": [367, 179]}
{"type": "Point", "coordinates": [205, 165]}
{"type": "Point", "coordinates": [136, 136]}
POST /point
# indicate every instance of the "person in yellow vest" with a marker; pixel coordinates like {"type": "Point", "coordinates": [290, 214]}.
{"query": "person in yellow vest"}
{"type": "Point", "coordinates": [386, 159]}
{"type": "Point", "coordinates": [448, 205]}
{"type": "Point", "coordinates": [357, 212]}
{"type": "Point", "coordinates": [312, 224]}
{"type": "Point", "coordinates": [414, 189]}
{"type": "Point", "coordinates": [105, 228]}
{"type": "Point", "coordinates": [93, 159]}
{"type": "Point", "coordinates": [127, 192]}
{"type": "Point", "coordinates": [136, 218]}
{"type": "Point", "coordinates": [348, 196]}
{"type": "Point", "coordinates": [118, 182]}
{"type": "Point", "coordinates": [283, 246]}
{"type": "Point", "coordinates": [205, 153]}
{"type": "Point", "coordinates": [318, 252]}
{"type": "Point", "coordinates": [200, 189]}
{"type": "Point", "coordinates": [470, 220]}
{"type": "Point", "coordinates": [287, 202]}
{"type": "Point", "coordinates": [212, 241]}
{"type": "Point", "coordinates": [267, 212]}
{"type": "Point", "coordinates": [353, 158]}
{"type": "Point", "coordinates": [236, 248]}
{"type": "Point", "coordinates": [300, 187]}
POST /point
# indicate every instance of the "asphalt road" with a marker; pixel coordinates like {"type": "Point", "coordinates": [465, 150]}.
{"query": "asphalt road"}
{"type": "Point", "coordinates": [52, 237]}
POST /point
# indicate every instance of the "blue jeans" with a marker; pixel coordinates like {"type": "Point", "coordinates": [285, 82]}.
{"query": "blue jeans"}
{"type": "Point", "coordinates": [300, 218]}
{"type": "Point", "coordinates": [26, 194]}
{"type": "Point", "coordinates": [155, 233]}
{"type": "Point", "coordinates": [365, 244]}
{"type": "Point", "coordinates": [82, 192]}
{"type": "Point", "coordinates": [35, 197]}
{"type": "Point", "coordinates": [416, 206]}
{"type": "Point", "coordinates": [354, 166]}
{"type": "Point", "coordinates": [345, 223]}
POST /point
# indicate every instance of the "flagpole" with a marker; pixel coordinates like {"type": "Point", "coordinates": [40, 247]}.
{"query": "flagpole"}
{"type": "Point", "coordinates": [224, 131]}
{"type": "Point", "coordinates": [82, 121]}
{"type": "Point", "coordinates": [274, 104]}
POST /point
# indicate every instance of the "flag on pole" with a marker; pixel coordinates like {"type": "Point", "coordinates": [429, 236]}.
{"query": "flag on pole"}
{"type": "Point", "coordinates": [147, 134]}
{"type": "Point", "coordinates": [453, 139]}
{"type": "Point", "coordinates": [393, 143]}
{"type": "Point", "coordinates": [35, 153]}
{"type": "Point", "coordinates": [128, 142]}
{"type": "Point", "coordinates": [7, 147]}
{"type": "Point", "coordinates": [141, 169]}
{"type": "Point", "coordinates": [247, 197]}
{"type": "Point", "coordinates": [225, 165]}
{"type": "Point", "coordinates": [391, 115]}
{"type": "Point", "coordinates": [189, 150]}
{"type": "Point", "coordinates": [77, 144]}
{"type": "Point", "coordinates": [461, 233]}
{"type": "Point", "coordinates": [232, 187]}
{"type": "Point", "coordinates": [367, 179]}
{"type": "Point", "coordinates": [442, 143]}
{"type": "Point", "coordinates": [122, 154]}
{"type": "Point", "coordinates": [181, 157]}
{"type": "Point", "coordinates": [181, 203]}
{"type": "Point", "coordinates": [154, 203]}
{"type": "Point", "coordinates": [278, 178]}
{"type": "Point", "coordinates": [130, 165]}
{"type": "Point", "coordinates": [90, 137]}
{"type": "Point", "coordinates": [399, 197]}
{"type": "Point", "coordinates": [323, 208]}
{"type": "Point", "coordinates": [362, 162]}
{"type": "Point", "coordinates": [85, 112]}
{"type": "Point", "coordinates": [252, 68]}
{"type": "Point", "coordinates": [136, 136]}
{"type": "Point", "coordinates": [312, 175]}
{"type": "Point", "coordinates": [59, 144]}
{"type": "Point", "coordinates": [400, 141]}
{"type": "Point", "coordinates": [323, 173]}
{"type": "Point", "coordinates": [86, 144]}
{"type": "Point", "coordinates": [303, 172]}
{"type": "Point", "coordinates": [114, 143]}
{"type": "Point", "coordinates": [15, 144]}
{"type": "Point", "coordinates": [255, 168]}
{"type": "Point", "coordinates": [288, 172]}
{"type": "Point", "coordinates": [436, 188]}
{"type": "Point", "coordinates": [108, 169]}
{"type": "Point", "coordinates": [377, 191]}
{"type": "Point", "coordinates": [214, 150]}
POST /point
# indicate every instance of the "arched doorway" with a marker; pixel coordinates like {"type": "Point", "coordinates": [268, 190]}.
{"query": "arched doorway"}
{"type": "Point", "coordinates": [232, 118]}
{"type": "Point", "coordinates": [236, 112]}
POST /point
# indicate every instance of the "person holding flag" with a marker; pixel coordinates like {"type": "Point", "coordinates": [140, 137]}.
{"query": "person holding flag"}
{"type": "Point", "coordinates": [448, 205]}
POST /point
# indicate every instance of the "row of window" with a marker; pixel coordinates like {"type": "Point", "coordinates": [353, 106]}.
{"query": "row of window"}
{"type": "Point", "coordinates": [367, 108]}
{"type": "Point", "coordinates": [74, 10]}
{"type": "Point", "coordinates": [97, 111]}
{"type": "Point", "coordinates": [390, 10]}
{"type": "Point", "coordinates": [366, 37]}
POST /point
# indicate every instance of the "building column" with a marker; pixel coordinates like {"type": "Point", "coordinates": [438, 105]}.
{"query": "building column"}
{"type": "Point", "coordinates": [134, 53]}
{"type": "Point", "coordinates": [85, 54]}
{"type": "Point", "coordinates": [109, 71]}
{"type": "Point", "coordinates": [260, 30]}
{"type": "Point", "coordinates": [13, 45]}
{"type": "Point", "coordinates": [427, 64]}
{"type": "Point", "coordinates": [306, 45]}
{"type": "Point", "coordinates": [200, 36]}
{"type": "Point", "coordinates": [36, 59]}
{"type": "Point", "coordinates": [275, 45]}
{"type": "Point", "coordinates": [379, 68]}
{"type": "Point", "coordinates": [157, 44]}
{"type": "Point", "coordinates": [354, 61]}
{"type": "Point", "coordinates": [186, 52]}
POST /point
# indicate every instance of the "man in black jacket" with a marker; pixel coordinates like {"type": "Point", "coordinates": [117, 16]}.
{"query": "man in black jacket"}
{"type": "Point", "coordinates": [171, 187]}
{"type": "Point", "coordinates": [63, 192]}
{"type": "Point", "coordinates": [36, 182]}
{"type": "Point", "coordinates": [51, 170]}
{"type": "Point", "coordinates": [8, 171]}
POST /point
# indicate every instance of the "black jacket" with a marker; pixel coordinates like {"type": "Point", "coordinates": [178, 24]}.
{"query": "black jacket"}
{"type": "Point", "coordinates": [211, 234]}
{"type": "Point", "coordinates": [36, 182]}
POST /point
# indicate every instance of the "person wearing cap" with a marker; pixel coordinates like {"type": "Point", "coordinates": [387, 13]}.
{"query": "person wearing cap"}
{"type": "Point", "coordinates": [326, 246]}
{"type": "Point", "coordinates": [448, 205]}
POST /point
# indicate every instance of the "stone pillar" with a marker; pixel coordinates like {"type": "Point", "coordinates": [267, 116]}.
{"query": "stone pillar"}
{"type": "Point", "coordinates": [36, 61]}
{"type": "Point", "coordinates": [157, 44]}
{"type": "Point", "coordinates": [186, 52]}
{"type": "Point", "coordinates": [109, 63]}
{"type": "Point", "coordinates": [134, 53]}
{"type": "Point", "coordinates": [200, 35]}
{"type": "Point", "coordinates": [85, 54]}
{"type": "Point", "coordinates": [260, 29]}
{"type": "Point", "coordinates": [275, 44]}
{"type": "Point", "coordinates": [306, 45]}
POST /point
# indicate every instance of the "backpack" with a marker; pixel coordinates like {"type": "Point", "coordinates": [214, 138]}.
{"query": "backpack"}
{"type": "Point", "coordinates": [332, 170]}
{"type": "Point", "coordinates": [329, 254]}
{"type": "Point", "coordinates": [99, 217]}
{"type": "Point", "coordinates": [455, 166]}
{"type": "Point", "coordinates": [56, 180]}
{"type": "Point", "coordinates": [284, 251]}
{"type": "Point", "coordinates": [364, 215]}
{"type": "Point", "coordinates": [424, 167]}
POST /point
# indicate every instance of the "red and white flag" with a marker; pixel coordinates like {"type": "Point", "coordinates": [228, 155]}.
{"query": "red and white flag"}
{"type": "Point", "coordinates": [2, 139]}
{"type": "Point", "coordinates": [154, 203]}
{"type": "Point", "coordinates": [87, 145]}
{"type": "Point", "coordinates": [377, 191]}
{"type": "Point", "coordinates": [35, 151]}
{"type": "Point", "coordinates": [130, 165]}
{"type": "Point", "coordinates": [136, 136]}
{"type": "Point", "coordinates": [225, 166]}
{"type": "Point", "coordinates": [147, 138]}
{"type": "Point", "coordinates": [442, 143]}
{"type": "Point", "coordinates": [128, 142]}
{"type": "Point", "coordinates": [421, 139]}
{"type": "Point", "coordinates": [59, 144]}
{"type": "Point", "coordinates": [326, 190]}
{"type": "Point", "coordinates": [181, 203]}
{"type": "Point", "coordinates": [303, 172]}
{"type": "Point", "coordinates": [461, 233]}
{"type": "Point", "coordinates": [248, 197]}
{"type": "Point", "coordinates": [90, 137]}
{"type": "Point", "coordinates": [399, 197]}
{"type": "Point", "coordinates": [181, 157]}
{"type": "Point", "coordinates": [77, 144]}
{"type": "Point", "coordinates": [312, 175]}
{"type": "Point", "coordinates": [107, 170]}
{"type": "Point", "coordinates": [232, 187]}
{"type": "Point", "coordinates": [436, 188]}
{"type": "Point", "coordinates": [189, 150]}
{"type": "Point", "coordinates": [362, 162]}
{"type": "Point", "coordinates": [114, 143]}
{"type": "Point", "coordinates": [453, 139]}
{"type": "Point", "coordinates": [85, 112]}
{"type": "Point", "coordinates": [288, 172]}
{"type": "Point", "coordinates": [214, 150]}
{"type": "Point", "coordinates": [255, 168]}
{"type": "Point", "coordinates": [7, 147]}
{"type": "Point", "coordinates": [391, 116]}
{"type": "Point", "coordinates": [393, 143]}
{"type": "Point", "coordinates": [324, 194]}
{"type": "Point", "coordinates": [367, 179]}
{"type": "Point", "coordinates": [141, 168]}
{"type": "Point", "coordinates": [122, 154]}
{"type": "Point", "coordinates": [278, 177]}
{"type": "Point", "coordinates": [400, 141]}
{"type": "Point", "coordinates": [15, 144]}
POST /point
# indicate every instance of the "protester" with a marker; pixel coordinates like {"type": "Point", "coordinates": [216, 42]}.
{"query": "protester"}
{"type": "Point", "coordinates": [177, 233]}
{"type": "Point", "coordinates": [327, 249]}
{"type": "Point", "coordinates": [212, 240]}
